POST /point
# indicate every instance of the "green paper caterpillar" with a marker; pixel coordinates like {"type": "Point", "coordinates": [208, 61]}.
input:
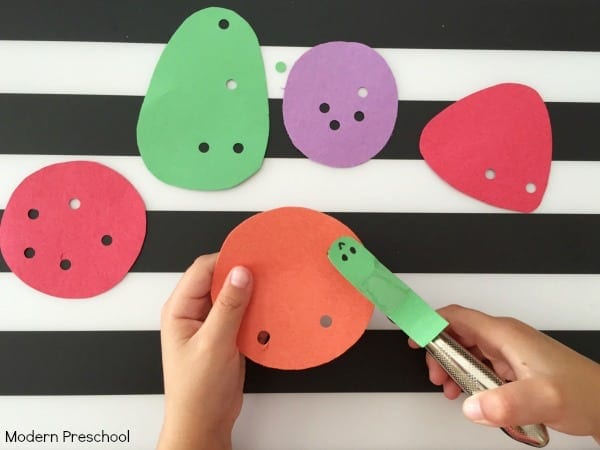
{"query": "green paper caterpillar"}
{"type": "Point", "coordinates": [386, 291]}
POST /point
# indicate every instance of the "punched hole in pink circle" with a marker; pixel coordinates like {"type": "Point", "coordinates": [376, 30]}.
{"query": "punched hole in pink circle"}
{"type": "Point", "coordinates": [531, 188]}
{"type": "Point", "coordinates": [74, 203]}
{"type": "Point", "coordinates": [29, 253]}
{"type": "Point", "coordinates": [363, 92]}
{"type": "Point", "coordinates": [33, 214]}
{"type": "Point", "coordinates": [490, 174]}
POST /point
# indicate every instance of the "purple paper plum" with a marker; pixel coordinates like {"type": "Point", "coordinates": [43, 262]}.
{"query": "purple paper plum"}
{"type": "Point", "coordinates": [340, 103]}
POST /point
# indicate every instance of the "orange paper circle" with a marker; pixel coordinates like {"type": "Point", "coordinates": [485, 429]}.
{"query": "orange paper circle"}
{"type": "Point", "coordinates": [310, 312]}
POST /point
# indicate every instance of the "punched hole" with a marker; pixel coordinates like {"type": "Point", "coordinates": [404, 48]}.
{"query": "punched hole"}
{"type": "Point", "coordinates": [74, 203]}
{"type": "Point", "coordinates": [325, 321]}
{"type": "Point", "coordinates": [352, 250]}
{"type": "Point", "coordinates": [334, 125]}
{"type": "Point", "coordinates": [203, 147]}
{"type": "Point", "coordinates": [531, 188]}
{"type": "Point", "coordinates": [359, 116]}
{"type": "Point", "coordinates": [363, 92]}
{"type": "Point", "coordinates": [33, 214]}
{"type": "Point", "coordinates": [324, 108]}
{"type": "Point", "coordinates": [344, 257]}
{"type": "Point", "coordinates": [231, 84]}
{"type": "Point", "coordinates": [238, 148]}
{"type": "Point", "coordinates": [490, 174]}
{"type": "Point", "coordinates": [65, 264]}
{"type": "Point", "coordinates": [106, 239]}
{"type": "Point", "coordinates": [223, 24]}
{"type": "Point", "coordinates": [29, 253]}
{"type": "Point", "coordinates": [263, 337]}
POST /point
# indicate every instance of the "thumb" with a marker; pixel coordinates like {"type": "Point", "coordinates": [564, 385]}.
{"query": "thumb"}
{"type": "Point", "coordinates": [223, 321]}
{"type": "Point", "coordinates": [524, 402]}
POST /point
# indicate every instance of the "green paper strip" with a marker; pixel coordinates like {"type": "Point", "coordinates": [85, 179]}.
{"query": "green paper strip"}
{"type": "Point", "coordinates": [386, 291]}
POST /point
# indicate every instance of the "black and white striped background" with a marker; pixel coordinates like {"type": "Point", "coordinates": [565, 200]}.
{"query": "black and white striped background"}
{"type": "Point", "coordinates": [72, 77]}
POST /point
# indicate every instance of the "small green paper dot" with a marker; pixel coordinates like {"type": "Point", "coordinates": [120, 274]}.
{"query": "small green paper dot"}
{"type": "Point", "coordinates": [280, 67]}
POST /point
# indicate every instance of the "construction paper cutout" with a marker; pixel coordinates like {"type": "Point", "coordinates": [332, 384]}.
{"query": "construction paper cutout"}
{"type": "Point", "coordinates": [295, 287]}
{"type": "Point", "coordinates": [337, 75]}
{"type": "Point", "coordinates": [394, 298]}
{"type": "Point", "coordinates": [204, 123]}
{"type": "Point", "coordinates": [280, 66]}
{"type": "Point", "coordinates": [494, 145]}
{"type": "Point", "coordinates": [73, 230]}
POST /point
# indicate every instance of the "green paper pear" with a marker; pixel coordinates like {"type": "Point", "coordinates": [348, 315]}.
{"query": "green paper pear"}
{"type": "Point", "coordinates": [204, 122]}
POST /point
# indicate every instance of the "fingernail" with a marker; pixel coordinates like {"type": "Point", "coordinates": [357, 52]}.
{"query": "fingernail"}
{"type": "Point", "coordinates": [239, 277]}
{"type": "Point", "coordinates": [472, 409]}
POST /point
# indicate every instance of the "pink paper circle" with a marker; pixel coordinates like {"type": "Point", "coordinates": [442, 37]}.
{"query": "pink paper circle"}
{"type": "Point", "coordinates": [73, 230]}
{"type": "Point", "coordinates": [340, 103]}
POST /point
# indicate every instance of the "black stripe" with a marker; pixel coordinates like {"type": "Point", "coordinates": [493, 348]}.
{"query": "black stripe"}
{"type": "Point", "coordinates": [105, 125]}
{"type": "Point", "coordinates": [129, 362]}
{"type": "Point", "coordinates": [406, 242]}
{"type": "Point", "coordinates": [493, 24]}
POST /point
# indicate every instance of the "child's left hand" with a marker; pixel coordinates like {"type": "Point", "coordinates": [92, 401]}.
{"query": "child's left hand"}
{"type": "Point", "coordinates": [203, 369]}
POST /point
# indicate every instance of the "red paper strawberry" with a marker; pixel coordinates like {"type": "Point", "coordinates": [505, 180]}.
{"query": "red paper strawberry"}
{"type": "Point", "coordinates": [494, 145]}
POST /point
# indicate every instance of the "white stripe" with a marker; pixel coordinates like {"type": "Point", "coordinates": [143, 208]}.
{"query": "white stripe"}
{"type": "Point", "coordinates": [421, 74]}
{"type": "Point", "coordinates": [376, 186]}
{"type": "Point", "coordinates": [550, 302]}
{"type": "Point", "coordinates": [274, 421]}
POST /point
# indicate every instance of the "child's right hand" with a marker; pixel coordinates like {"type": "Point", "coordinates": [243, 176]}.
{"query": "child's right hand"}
{"type": "Point", "coordinates": [553, 384]}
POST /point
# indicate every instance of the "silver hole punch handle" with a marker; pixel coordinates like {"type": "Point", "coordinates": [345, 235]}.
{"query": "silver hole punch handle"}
{"type": "Point", "coordinates": [473, 376]}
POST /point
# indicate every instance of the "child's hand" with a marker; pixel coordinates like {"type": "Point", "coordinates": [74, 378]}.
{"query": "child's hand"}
{"type": "Point", "coordinates": [555, 385]}
{"type": "Point", "coordinates": [203, 369]}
